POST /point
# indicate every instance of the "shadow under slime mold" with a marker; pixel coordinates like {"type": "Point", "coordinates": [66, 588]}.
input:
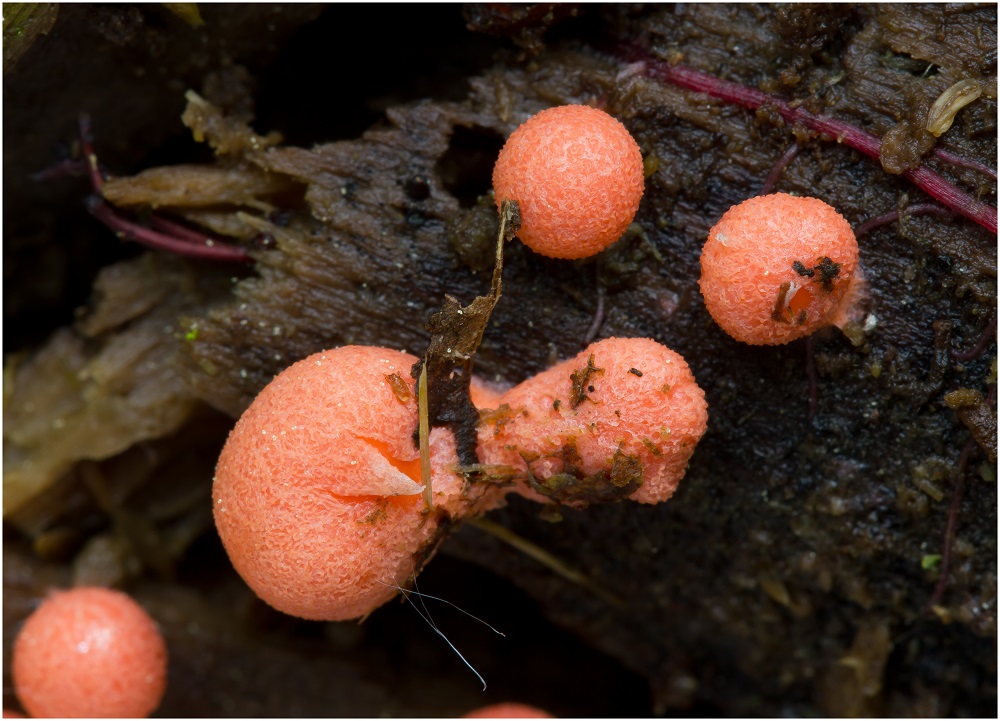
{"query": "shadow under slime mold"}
{"type": "Point", "coordinates": [796, 570]}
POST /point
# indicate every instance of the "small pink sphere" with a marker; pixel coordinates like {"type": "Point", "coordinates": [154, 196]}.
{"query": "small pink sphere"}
{"type": "Point", "coordinates": [576, 174]}
{"type": "Point", "coordinates": [777, 267]}
{"type": "Point", "coordinates": [89, 653]}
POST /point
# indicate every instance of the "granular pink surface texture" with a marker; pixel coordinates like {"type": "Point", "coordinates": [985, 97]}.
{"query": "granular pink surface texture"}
{"type": "Point", "coordinates": [775, 268]}
{"type": "Point", "coordinates": [483, 394]}
{"type": "Point", "coordinates": [641, 399]}
{"type": "Point", "coordinates": [89, 653]}
{"type": "Point", "coordinates": [576, 174]}
{"type": "Point", "coordinates": [317, 493]}
{"type": "Point", "coordinates": [509, 709]}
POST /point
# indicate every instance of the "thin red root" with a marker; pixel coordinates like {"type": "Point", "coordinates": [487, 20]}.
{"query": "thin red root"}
{"type": "Point", "coordinates": [981, 345]}
{"type": "Point", "coordinates": [961, 162]}
{"type": "Point", "coordinates": [843, 132]}
{"type": "Point", "coordinates": [175, 238]}
{"type": "Point", "coordinates": [893, 215]}
{"type": "Point", "coordinates": [129, 230]}
{"type": "Point", "coordinates": [179, 231]}
{"type": "Point", "coordinates": [779, 168]}
{"type": "Point", "coordinates": [949, 533]}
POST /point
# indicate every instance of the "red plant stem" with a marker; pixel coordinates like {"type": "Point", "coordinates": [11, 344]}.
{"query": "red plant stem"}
{"type": "Point", "coordinates": [980, 347]}
{"type": "Point", "coordinates": [923, 177]}
{"type": "Point", "coordinates": [128, 230]}
{"type": "Point", "coordinates": [961, 162]}
{"type": "Point", "coordinates": [176, 238]}
{"type": "Point", "coordinates": [775, 175]}
{"type": "Point", "coordinates": [181, 232]}
{"type": "Point", "coordinates": [893, 215]}
{"type": "Point", "coordinates": [951, 196]}
{"type": "Point", "coordinates": [949, 533]}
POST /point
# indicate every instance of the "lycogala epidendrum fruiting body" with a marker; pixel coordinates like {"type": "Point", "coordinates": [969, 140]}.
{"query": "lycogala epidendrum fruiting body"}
{"type": "Point", "coordinates": [776, 268]}
{"type": "Point", "coordinates": [576, 174]}
{"type": "Point", "coordinates": [318, 494]}
{"type": "Point", "coordinates": [620, 420]}
{"type": "Point", "coordinates": [89, 653]}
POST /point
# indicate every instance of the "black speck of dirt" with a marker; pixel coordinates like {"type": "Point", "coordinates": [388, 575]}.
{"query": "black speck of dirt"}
{"type": "Point", "coordinates": [799, 268]}
{"type": "Point", "coordinates": [828, 272]}
{"type": "Point", "coordinates": [417, 188]}
{"type": "Point", "coordinates": [280, 218]}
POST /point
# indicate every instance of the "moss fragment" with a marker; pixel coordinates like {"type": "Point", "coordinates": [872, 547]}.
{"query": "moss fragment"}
{"type": "Point", "coordinates": [573, 488]}
{"type": "Point", "coordinates": [581, 382]}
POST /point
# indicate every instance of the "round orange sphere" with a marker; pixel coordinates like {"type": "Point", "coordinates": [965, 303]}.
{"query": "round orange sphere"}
{"type": "Point", "coordinates": [89, 653]}
{"type": "Point", "coordinates": [576, 174]}
{"type": "Point", "coordinates": [776, 267]}
{"type": "Point", "coordinates": [318, 494]}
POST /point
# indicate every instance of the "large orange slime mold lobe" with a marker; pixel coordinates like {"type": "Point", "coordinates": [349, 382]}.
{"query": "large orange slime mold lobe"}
{"type": "Point", "coordinates": [629, 396]}
{"type": "Point", "coordinates": [89, 653]}
{"type": "Point", "coordinates": [776, 267]}
{"type": "Point", "coordinates": [318, 498]}
{"type": "Point", "coordinates": [576, 174]}
{"type": "Point", "coordinates": [317, 493]}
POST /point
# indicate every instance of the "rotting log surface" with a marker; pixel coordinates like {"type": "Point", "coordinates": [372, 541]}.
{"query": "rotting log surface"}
{"type": "Point", "coordinates": [792, 571]}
